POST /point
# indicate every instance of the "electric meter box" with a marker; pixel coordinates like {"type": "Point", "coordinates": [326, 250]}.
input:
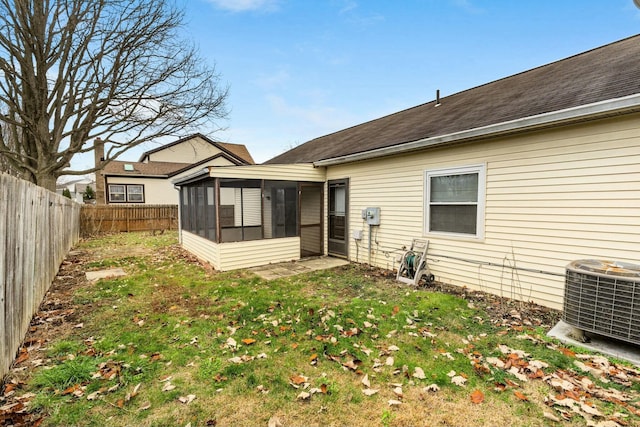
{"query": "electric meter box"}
{"type": "Point", "coordinates": [371, 215]}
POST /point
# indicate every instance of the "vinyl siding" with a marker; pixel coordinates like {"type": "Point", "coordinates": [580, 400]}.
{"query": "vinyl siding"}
{"type": "Point", "coordinates": [234, 255]}
{"type": "Point", "coordinates": [252, 253]}
{"type": "Point", "coordinates": [204, 249]}
{"type": "Point", "coordinates": [157, 191]}
{"type": "Point", "coordinates": [294, 172]}
{"type": "Point", "coordinates": [190, 151]}
{"type": "Point", "coordinates": [552, 197]}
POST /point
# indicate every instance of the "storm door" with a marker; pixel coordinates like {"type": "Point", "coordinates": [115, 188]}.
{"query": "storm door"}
{"type": "Point", "coordinates": [338, 224]}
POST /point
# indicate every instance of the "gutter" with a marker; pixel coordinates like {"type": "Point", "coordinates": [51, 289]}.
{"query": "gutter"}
{"type": "Point", "coordinates": [189, 178]}
{"type": "Point", "coordinates": [592, 111]}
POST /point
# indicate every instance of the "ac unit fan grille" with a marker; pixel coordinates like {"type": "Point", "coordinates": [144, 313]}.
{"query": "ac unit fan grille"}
{"type": "Point", "coordinates": [603, 304]}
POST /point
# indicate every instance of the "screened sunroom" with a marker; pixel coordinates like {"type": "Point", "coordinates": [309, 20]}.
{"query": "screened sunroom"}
{"type": "Point", "coordinates": [243, 216]}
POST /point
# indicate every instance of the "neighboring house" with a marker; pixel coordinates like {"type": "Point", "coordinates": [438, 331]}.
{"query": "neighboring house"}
{"type": "Point", "coordinates": [77, 187]}
{"type": "Point", "coordinates": [148, 180]}
{"type": "Point", "coordinates": [509, 181]}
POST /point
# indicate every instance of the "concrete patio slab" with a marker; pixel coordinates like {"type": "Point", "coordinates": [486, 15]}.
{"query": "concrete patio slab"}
{"type": "Point", "coordinates": [305, 265]}
{"type": "Point", "coordinates": [93, 276]}
{"type": "Point", "coordinates": [607, 346]}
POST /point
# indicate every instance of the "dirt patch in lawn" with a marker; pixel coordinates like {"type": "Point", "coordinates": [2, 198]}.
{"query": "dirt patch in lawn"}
{"type": "Point", "coordinates": [55, 319]}
{"type": "Point", "coordinates": [502, 311]}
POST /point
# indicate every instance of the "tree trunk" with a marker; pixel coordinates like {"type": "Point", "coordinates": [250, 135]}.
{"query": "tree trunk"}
{"type": "Point", "coordinates": [47, 181]}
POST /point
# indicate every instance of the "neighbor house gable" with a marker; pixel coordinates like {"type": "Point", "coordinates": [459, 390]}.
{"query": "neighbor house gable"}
{"type": "Point", "coordinates": [192, 148]}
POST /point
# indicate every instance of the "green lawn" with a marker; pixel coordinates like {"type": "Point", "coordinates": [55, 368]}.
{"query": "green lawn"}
{"type": "Point", "coordinates": [176, 344]}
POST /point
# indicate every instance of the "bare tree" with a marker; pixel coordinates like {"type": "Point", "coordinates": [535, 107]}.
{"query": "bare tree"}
{"type": "Point", "coordinates": [5, 165]}
{"type": "Point", "coordinates": [75, 70]}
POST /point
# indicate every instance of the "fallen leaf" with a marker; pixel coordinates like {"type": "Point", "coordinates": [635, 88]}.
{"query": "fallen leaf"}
{"type": "Point", "coordinates": [298, 379]}
{"type": "Point", "coordinates": [393, 402]}
{"type": "Point", "coordinates": [168, 386]}
{"type": "Point", "coordinates": [231, 343]}
{"type": "Point", "coordinates": [274, 421]}
{"type": "Point", "coordinates": [590, 410]}
{"type": "Point", "coordinates": [144, 406]}
{"type": "Point", "coordinates": [365, 381]}
{"type": "Point", "coordinates": [71, 390]}
{"type": "Point", "coordinates": [248, 341]}
{"type": "Point", "coordinates": [24, 355]}
{"type": "Point", "coordinates": [94, 395]}
{"type": "Point", "coordinates": [567, 352]}
{"type": "Point", "coordinates": [550, 416]}
{"type": "Point", "coordinates": [394, 348]}
{"type": "Point", "coordinates": [459, 380]}
{"type": "Point", "coordinates": [477, 397]}
{"type": "Point", "coordinates": [419, 373]}
{"type": "Point", "coordinates": [521, 396]}
{"type": "Point", "coordinates": [431, 388]}
{"type": "Point", "coordinates": [187, 399]}
{"type": "Point", "coordinates": [303, 396]}
{"type": "Point", "coordinates": [398, 392]}
{"type": "Point", "coordinates": [369, 391]}
{"type": "Point", "coordinates": [352, 364]}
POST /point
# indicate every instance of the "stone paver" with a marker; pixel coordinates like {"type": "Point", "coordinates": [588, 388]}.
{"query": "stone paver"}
{"type": "Point", "coordinates": [92, 276]}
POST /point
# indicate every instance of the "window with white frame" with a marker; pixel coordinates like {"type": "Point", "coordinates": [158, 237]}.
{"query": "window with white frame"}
{"type": "Point", "coordinates": [135, 193]}
{"type": "Point", "coordinates": [454, 201]}
{"type": "Point", "coordinates": [126, 193]}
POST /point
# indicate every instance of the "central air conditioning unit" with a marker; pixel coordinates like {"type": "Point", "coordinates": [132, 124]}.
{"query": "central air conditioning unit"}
{"type": "Point", "coordinates": [603, 297]}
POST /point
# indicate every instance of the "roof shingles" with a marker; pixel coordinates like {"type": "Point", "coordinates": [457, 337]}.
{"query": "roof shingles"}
{"type": "Point", "coordinates": [608, 72]}
{"type": "Point", "coordinates": [164, 169]}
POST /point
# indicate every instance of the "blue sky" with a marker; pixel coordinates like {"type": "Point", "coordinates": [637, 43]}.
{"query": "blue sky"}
{"type": "Point", "coordinates": [299, 69]}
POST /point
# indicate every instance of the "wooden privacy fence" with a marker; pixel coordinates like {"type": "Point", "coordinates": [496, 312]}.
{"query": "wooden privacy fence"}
{"type": "Point", "coordinates": [118, 218]}
{"type": "Point", "coordinates": [37, 229]}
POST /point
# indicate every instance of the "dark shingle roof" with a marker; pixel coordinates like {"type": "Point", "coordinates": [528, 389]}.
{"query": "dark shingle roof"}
{"type": "Point", "coordinates": [158, 169]}
{"type": "Point", "coordinates": [608, 72]}
{"type": "Point", "coordinates": [238, 150]}
{"type": "Point", "coordinates": [164, 169]}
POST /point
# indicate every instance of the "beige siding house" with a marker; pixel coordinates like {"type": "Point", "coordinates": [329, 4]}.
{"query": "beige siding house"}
{"type": "Point", "coordinates": [509, 182]}
{"type": "Point", "coordinates": [148, 181]}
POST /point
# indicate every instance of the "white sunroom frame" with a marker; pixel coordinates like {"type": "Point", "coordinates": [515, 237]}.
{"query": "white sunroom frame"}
{"type": "Point", "coordinates": [224, 256]}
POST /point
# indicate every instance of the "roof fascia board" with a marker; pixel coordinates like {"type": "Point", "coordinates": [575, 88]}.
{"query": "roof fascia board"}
{"type": "Point", "coordinates": [204, 172]}
{"type": "Point", "coordinates": [570, 115]}
{"type": "Point", "coordinates": [120, 175]}
{"type": "Point", "coordinates": [214, 157]}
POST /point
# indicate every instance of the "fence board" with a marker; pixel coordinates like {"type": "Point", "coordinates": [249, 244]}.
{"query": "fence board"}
{"type": "Point", "coordinates": [126, 218]}
{"type": "Point", "coordinates": [37, 229]}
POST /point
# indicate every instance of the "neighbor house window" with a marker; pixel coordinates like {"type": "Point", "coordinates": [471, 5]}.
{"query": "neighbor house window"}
{"type": "Point", "coordinates": [126, 193]}
{"type": "Point", "coordinates": [454, 201]}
